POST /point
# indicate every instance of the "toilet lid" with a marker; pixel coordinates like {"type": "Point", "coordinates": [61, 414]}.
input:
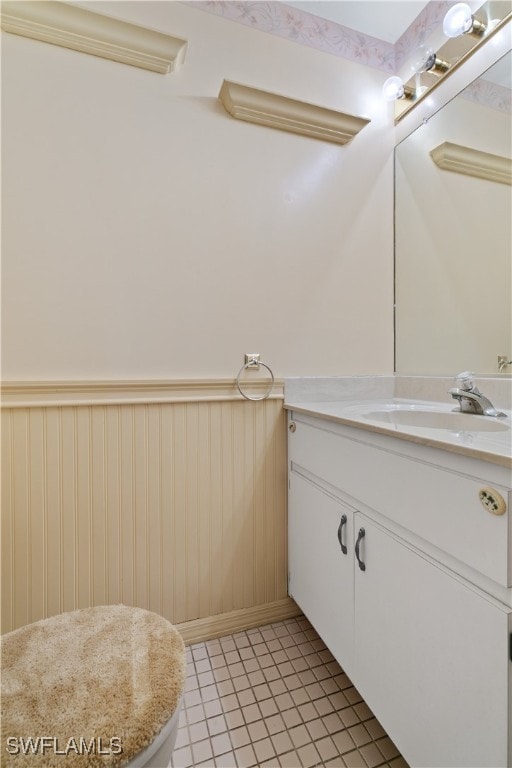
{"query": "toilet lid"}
{"type": "Point", "coordinates": [99, 682]}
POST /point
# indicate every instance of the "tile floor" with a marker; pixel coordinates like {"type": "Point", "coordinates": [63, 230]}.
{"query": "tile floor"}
{"type": "Point", "coordinates": [274, 696]}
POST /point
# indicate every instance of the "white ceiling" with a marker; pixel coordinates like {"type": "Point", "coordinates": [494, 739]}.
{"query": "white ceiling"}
{"type": "Point", "coordinates": [385, 19]}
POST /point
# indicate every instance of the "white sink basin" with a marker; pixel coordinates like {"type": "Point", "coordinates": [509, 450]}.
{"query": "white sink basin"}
{"type": "Point", "coordinates": [455, 422]}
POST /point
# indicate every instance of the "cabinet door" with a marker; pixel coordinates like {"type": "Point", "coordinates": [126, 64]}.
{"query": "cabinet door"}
{"type": "Point", "coordinates": [321, 576]}
{"type": "Point", "coordinates": [432, 657]}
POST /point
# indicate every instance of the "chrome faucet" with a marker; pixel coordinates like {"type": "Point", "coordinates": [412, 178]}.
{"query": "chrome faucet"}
{"type": "Point", "coordinates": [471, 400]}
{"type": "Point", "coordinates": [503, 362]}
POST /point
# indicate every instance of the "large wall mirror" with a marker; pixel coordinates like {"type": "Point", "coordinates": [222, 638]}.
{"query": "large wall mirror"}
{"type": "Point", "coordinates": [453, 234]}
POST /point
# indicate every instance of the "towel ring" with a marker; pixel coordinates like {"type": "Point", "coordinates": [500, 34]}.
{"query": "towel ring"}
{"type": "Point", "coordinates": [253, 364]}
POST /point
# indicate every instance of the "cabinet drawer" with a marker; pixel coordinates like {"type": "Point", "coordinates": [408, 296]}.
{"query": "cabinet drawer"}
{"type": "Point", "coordinates": [441, 506]}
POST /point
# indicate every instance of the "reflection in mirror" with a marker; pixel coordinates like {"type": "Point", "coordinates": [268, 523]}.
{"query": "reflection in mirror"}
{"type": "Point", "coordinates": [453, 236]}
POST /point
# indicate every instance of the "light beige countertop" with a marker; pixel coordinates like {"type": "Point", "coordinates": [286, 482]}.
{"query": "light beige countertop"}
{"type": "Point", "coordinates": [371, 404]}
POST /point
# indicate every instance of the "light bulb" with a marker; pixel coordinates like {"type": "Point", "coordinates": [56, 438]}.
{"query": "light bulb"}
{"type": "Point", "coordinates": [393, 89]}
{"type": "Point", "coordinates": [458, 20]}
{"type": "Point", "coordinates": [427, 60]}
{"type": "Point", "coordinates": [424, 59]}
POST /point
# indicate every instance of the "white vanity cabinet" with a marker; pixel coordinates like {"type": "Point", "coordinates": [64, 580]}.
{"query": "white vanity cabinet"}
{"type": "Point", "coordinates": [425, 637]}
{"type": "Point", "coordinates": [321, 570]}
{"type": "Point", "coordinates": [431, 657]}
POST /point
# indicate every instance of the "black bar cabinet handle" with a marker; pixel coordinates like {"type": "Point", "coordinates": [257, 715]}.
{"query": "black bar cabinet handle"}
{"type": "Point", "coordinates": [360, 537]}
{"type": "Point", "coordinates": [343, 522]}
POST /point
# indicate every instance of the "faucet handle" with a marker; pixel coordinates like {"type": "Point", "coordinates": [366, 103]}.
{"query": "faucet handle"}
{"type": "Point", "coordinates": [464, 381]}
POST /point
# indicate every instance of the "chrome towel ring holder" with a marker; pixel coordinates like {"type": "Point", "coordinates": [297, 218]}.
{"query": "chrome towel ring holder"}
{"type": "Point", "coordinates": [255, 364]}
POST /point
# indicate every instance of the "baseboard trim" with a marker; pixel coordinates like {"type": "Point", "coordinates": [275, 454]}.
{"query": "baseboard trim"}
{"type": "Point", "coordinates": [198, 630]}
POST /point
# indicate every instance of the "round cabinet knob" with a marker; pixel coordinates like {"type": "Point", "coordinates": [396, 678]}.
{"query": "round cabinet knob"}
{"type": "Point", "coordinates": [292, 427]}
{"type": "Point", "coordinates": [492, 501]}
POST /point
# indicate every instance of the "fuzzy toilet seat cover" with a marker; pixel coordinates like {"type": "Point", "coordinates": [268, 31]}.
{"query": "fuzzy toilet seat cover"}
{"type": "Point", "coordinates": [97, 684]}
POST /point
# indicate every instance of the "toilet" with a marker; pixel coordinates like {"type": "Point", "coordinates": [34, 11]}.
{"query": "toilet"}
{"type": "Point", "coordinates": [94, 687]}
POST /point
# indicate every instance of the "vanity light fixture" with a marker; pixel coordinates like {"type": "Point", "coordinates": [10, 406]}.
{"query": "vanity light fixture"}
{"type": "Point", "coordinates": [460, 21]}
{"type": "Point", "coordinates": [394, 89]}
{"type": "Point", "coordinates": [465, 34]}
{"type": "Point", "coordinates": [427, 60]}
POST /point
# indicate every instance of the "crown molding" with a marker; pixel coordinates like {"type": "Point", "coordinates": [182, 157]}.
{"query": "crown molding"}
{"type": "Point", "coordinates": [274, 111]}
{"type": "Point", "coordinates": [82, 30]}
{"type": "Point", "coordinates": [42, 394]}
{"type": "Point", "coordinates": [472, 162]}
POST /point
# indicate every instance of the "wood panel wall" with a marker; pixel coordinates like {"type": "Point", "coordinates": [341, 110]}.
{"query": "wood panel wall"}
{"type": "Point", "coordinates": [178, 507]}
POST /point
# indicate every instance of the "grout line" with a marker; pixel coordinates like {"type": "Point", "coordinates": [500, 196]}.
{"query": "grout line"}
{"type": "Point", "coordinates": [275, 715]}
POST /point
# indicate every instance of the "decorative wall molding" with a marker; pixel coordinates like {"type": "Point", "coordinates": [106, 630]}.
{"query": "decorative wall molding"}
{"type": "Point", "coordinates": [256, 106]}
{"type": "Point", "coordinates": [41, 394]}
{"type": "Point", "coordinates": [82, 30]}
{"type": "Point", "coordinates": [473, 162]}
{"type": "Point", "coordinates": [228, 623]}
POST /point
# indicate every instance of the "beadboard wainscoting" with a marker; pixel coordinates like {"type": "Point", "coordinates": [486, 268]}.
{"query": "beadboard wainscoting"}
{"type": "Point", "coordinates": [169, 496]}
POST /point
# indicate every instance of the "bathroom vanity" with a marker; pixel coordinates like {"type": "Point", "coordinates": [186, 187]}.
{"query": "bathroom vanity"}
{"type": "Point", "coordinates": [400, 556]}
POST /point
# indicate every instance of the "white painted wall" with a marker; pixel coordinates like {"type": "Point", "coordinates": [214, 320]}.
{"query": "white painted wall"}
{"type": "Point", "coordinates": [148, 234]}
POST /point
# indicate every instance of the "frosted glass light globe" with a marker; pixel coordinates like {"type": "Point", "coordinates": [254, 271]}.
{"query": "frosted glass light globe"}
{"type": "Point", "coordinates": [393, 89]}
{"type": "Point", "coordinates": [458, 20]}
